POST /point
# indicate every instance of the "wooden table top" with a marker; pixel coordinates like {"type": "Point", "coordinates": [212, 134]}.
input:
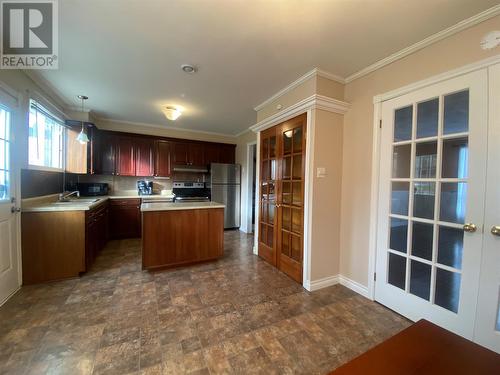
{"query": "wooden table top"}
{"type": "Point", "coordinates": [424, 348]}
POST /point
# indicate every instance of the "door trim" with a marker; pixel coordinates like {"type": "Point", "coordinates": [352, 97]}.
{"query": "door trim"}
{"type": "Point", "coordinates": [246, 199]}
{"type": "Point", "coordinates": [377, 117]}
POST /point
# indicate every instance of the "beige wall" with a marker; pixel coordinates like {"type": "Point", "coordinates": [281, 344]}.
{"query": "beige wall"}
{"type": "Point", "coordinates": [314, 85]}
{"type": "Point", "coordinates": [453, 52]}
{"type": "Point", "coordinates": [161, 131]}
{"type": "Point", "coordinates": [326, 192]}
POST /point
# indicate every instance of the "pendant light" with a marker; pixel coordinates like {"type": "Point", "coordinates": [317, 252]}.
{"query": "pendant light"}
{"type": "Point", "coordinates": [82, 137]}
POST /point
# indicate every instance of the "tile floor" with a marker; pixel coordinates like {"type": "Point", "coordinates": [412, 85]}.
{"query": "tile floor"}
{"type": "Point", "coordinates": [236, 315]}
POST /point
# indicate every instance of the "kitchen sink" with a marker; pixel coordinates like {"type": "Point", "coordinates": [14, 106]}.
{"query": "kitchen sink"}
{"type": "Point", "coordinates": [83, 201]}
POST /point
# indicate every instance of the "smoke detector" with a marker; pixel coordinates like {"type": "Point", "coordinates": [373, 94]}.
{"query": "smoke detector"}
{"type": "Point", "coordinates": [188, 68]}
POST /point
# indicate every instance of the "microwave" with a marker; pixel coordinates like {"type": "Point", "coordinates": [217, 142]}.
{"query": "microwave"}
{"type": "Point", "coordinates": [92, 189]}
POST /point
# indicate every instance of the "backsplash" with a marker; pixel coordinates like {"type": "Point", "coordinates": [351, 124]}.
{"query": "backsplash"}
{"type": "Point", "coordinates": [36, 183]}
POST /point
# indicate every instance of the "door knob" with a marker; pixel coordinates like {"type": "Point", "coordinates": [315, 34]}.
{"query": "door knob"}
{"type": "Point", "coordinates": [495, 230]}
{"type": "Point", "coordinates": [469, 227]}
{"type": "Point", "coordinates": [15, 209]}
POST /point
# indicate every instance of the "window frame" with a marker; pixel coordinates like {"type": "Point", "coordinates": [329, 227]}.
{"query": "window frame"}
{"type": "Point", "coordinates": [47, 112]}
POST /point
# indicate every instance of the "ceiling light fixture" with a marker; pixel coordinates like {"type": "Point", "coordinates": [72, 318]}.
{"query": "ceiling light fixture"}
{"type": "Point", "coordinates": [172, 113]}
{"type": "Point", "coordinates": [188, 68]}
{"type": "Point", "coordinates": [82, 137]}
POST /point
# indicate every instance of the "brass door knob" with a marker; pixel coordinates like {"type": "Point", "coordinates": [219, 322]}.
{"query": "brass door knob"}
{"type": "Point", "coordinates": [495, 230]}
{"type": "Point", "coordinates": [469, 227]}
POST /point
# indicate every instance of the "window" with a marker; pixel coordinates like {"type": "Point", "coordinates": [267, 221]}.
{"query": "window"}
{"type": "Point", "coordinates": [4, 153]}
{"type": "Point", "coordinates": [46, 134]}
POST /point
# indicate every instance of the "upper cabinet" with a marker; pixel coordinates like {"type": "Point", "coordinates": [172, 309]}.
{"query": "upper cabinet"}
{"type": "Point", "coordinates": [121, 154]}
{"type": "Point", "coordinates": [125, 156]}
{"type": "Point", "coordinates": [188, 154]}
{"type": "Point", "coordinates": [163, 165]}
{"type": "Point", "coordinates": [144, 157]}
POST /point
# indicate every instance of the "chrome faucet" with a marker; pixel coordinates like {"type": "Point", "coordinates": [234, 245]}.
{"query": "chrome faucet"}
{"type": "Point", "coordinates": [64, 197]}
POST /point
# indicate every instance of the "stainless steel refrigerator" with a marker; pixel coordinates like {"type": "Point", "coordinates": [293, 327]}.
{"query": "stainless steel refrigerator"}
{"type": "Point", "coordinates": [225, 188]}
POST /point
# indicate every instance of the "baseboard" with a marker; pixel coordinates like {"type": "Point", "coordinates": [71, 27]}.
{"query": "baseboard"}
{"type": "Point", "coordinates": [321, 283]}
{"type": "Point", "coordinates": [354, 286]}
{"type": "Point", "coordinates": [255, 250]}
{"type": "Point", "coordinates": [336, 279]}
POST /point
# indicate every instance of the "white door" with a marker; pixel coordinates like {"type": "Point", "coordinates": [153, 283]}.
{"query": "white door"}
{"type": "Point", "coordinates": [488, 312]}
{"type": "Point", "coordinates": [9, 262]}
{"type": "Point", "coordinates": [432, 184]}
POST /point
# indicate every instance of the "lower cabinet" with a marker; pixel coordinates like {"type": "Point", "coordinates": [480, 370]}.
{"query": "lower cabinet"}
{"type": "Point", "coordinates": [96, 232]}
{"type": "Point", "coordinates": [124, 218]}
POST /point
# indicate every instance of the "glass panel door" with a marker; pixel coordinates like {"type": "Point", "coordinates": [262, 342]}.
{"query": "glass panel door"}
{"type": "Point", "coordinates": [4, 154]}
{"type": "Point", "coordinates": [291, 201]}
{"type": "Point", "coordinates": [432, 173]}
{"type": "Point", "coordinates": [268, 176]}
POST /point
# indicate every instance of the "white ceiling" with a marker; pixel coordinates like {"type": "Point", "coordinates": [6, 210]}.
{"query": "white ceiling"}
{"type": "Point", "coordinates": [126, 54]}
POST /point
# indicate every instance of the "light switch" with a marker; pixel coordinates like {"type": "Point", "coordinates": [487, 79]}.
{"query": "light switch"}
{"type": "Point", "coordinates": [321, 172]}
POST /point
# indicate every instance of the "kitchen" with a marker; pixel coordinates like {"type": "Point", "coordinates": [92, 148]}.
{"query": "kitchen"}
{"type": "Point", "coordinates": [131, 186]}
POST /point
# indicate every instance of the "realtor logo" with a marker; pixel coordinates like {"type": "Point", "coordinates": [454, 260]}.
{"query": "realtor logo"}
{"type": "Point", "coordinates": [29, 34]}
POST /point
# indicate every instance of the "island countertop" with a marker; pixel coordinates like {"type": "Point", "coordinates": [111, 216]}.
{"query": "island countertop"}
{"type": "Point", "coordinates": [179, 206]}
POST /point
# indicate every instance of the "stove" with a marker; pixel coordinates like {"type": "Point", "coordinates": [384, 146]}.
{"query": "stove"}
{"type": "Point", "coordinates": [191, 192]}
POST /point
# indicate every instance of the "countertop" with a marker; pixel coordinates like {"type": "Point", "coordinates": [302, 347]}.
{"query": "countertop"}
{"type": "Point", "coordinates": [145, 207]}
{"type": "Point", "coordinates": [48, 203]}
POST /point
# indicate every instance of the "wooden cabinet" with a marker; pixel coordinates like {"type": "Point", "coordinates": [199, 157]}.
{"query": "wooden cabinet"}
{"type": "Point", "coordinates": [107, 160]}
{"type": "Point", "coordinates": [124, 218]}
{"type": "Point", "coordinates": [163, 166]}
{"type": "Point", "coordinates": [144, 157]}
{"type": "Point", "coordinates": [211, 153]}
{"type": "Point", "coordinates": [227, 153]}
{"type": "Point", "coordinates": [96, 232]}
{"type": "Point", "coordinates": [180, 153]}
{"type": "Point", "coordinates": [170, 238]}
{"type": "Point", "coordinates": [122, 154]}
{"type": "Point", "coordinates": [195, 154]}
{"type": "Point", "coordinates": [188, 154]}
{"type": "Point", "coordinates": [125, 156]}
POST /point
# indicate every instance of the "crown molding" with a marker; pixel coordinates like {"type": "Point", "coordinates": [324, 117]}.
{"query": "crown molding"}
{"type": "Point", "coordinates": [312, 102]}
{"type": "Point", "coordinates": [46, 87]}
{"type": "Point", "coordinates": [164, 127]}
{"type": "Point", "coordinates": [462, 25]}
{"type": "Point", "coordinates": [312, 73]}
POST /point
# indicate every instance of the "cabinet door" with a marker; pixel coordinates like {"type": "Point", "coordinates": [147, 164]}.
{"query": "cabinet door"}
{"type": "Point", "coordinates": [195, 153]}
{"type": "Point", "coordinates": [107, 148]}
{"type": "Point", "coordinates": [226, 154]}
{"type": "Point", "coordinates": [211, 153]}
{"type": "Point", "coordinates": [125, 156]}
{"type": "Point", "coordinates": [180, 153]}
{"type": "Point", "coordinates": [144, 157]}
{"type": "Point", "coordinates": [94, 152]}
{"type": "Point", "coordinates": [125, 218]}
{"type": "Point", "coordinates": [163, 162]}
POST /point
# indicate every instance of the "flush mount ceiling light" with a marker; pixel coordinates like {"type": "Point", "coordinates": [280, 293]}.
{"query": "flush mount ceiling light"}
{"type": "Point", "coordinates": [188, 68]}
{"type": "Point", "coordinates": [172, 113]}
{"type": "Point", "coordinates": [82, 137]}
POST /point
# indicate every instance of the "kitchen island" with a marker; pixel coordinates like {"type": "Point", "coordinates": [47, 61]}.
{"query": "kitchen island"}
{"type": "Point", "coordinates": [175, 234]}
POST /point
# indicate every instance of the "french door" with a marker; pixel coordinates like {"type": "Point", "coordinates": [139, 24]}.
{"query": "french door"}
{"type": "Point", "coordinates": [487, 330]}
{"type": "Point", "coordinates": [431, 202]}
{"type": "Point", "coordinates": [9, 262]}
{"type": "Point", "coordinates": [282, 173]}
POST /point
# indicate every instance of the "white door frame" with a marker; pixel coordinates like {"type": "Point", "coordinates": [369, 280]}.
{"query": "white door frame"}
{"type": "Point", "coordinates": [14, 100]}
{"type": "Point", "coordinates": [246, 212]}
{"type": "Point", "coordinates": [377, 117]}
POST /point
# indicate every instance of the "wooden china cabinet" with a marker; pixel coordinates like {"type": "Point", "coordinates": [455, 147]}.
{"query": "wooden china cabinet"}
{"type": "Point", "coordinates": [281, 200]}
